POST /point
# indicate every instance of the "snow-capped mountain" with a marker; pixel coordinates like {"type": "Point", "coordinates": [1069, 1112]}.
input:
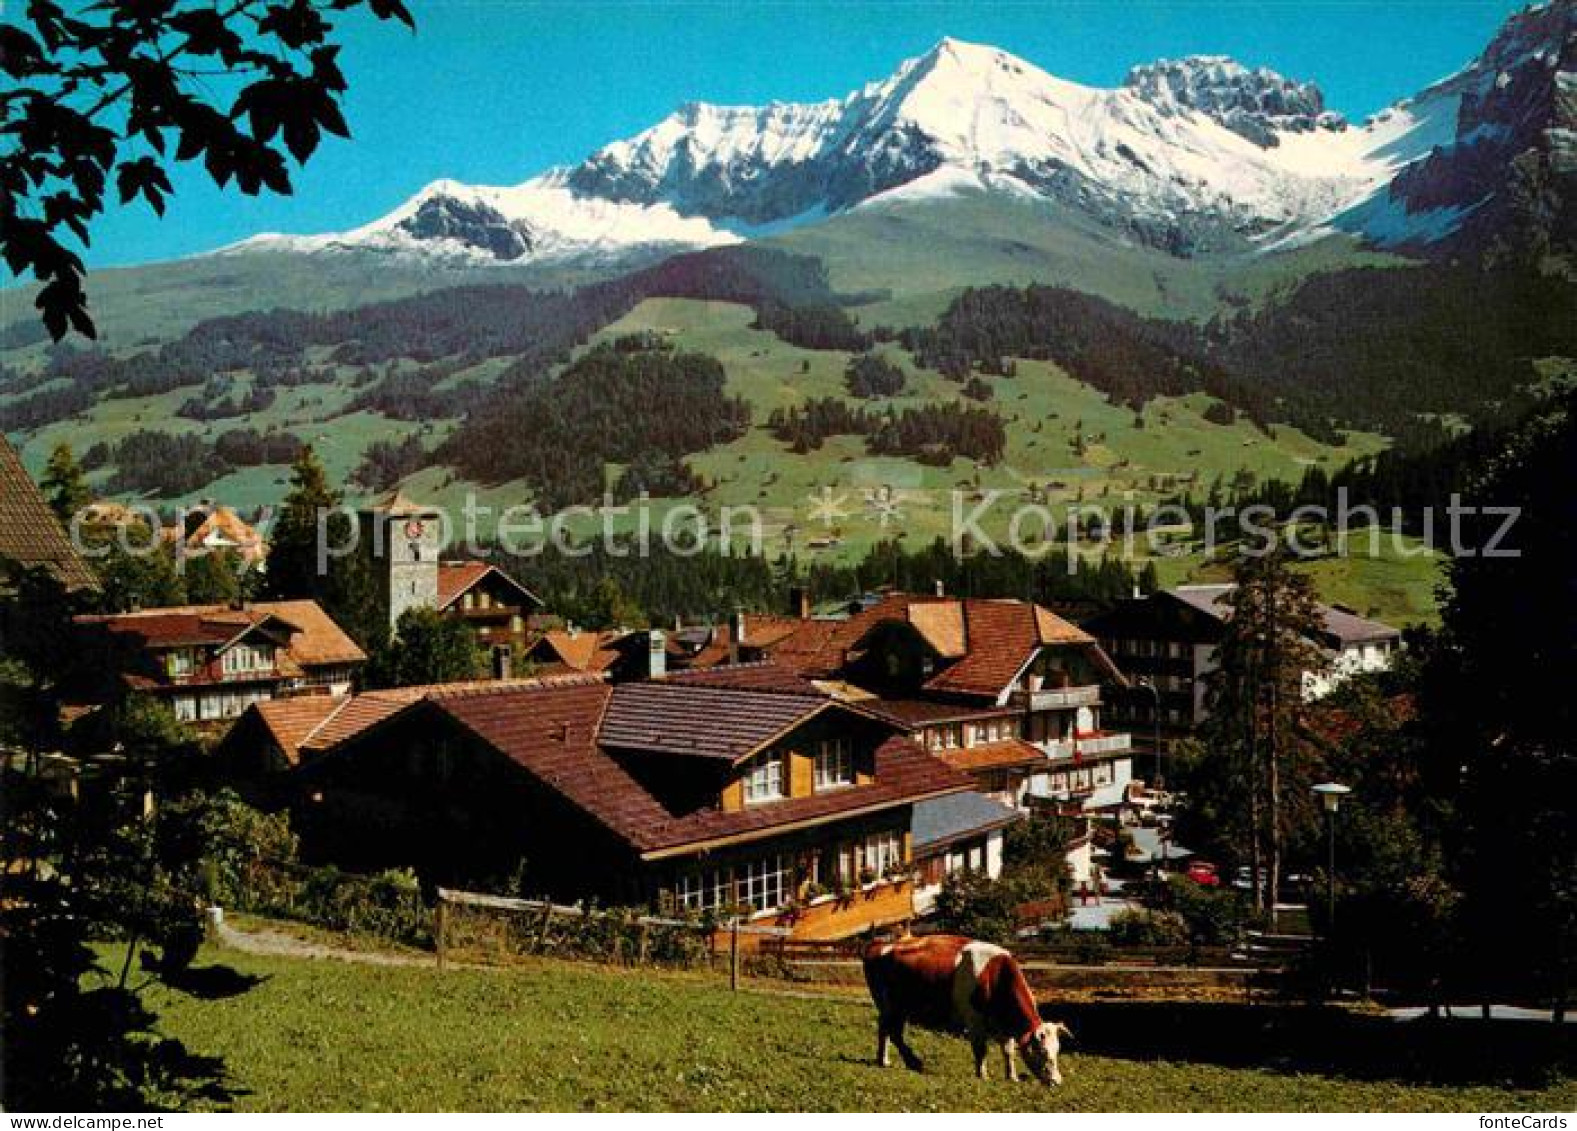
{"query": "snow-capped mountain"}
{"type": "Point", "coordinates": [1190, 155]}
{"type": "Point", "coordinates": [1506, 181]}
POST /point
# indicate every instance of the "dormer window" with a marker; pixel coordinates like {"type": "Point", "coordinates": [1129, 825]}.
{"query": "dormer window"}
{"type": "Point", "coordinates": [763, 780]}
{"type": "Point", "coordinates": [247, 658]}
{"type": "Point", "coordinates": [834, 764]}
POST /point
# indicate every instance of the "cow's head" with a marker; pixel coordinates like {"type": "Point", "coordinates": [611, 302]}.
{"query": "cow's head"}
{"type": "Point", "coordinates": [1041, 1051]}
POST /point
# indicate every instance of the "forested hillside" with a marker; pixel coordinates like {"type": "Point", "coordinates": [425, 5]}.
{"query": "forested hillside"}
{"type": "Point", "coordinates": [1361, 348]}
{"type": "Point", "coordinates": [484, 379]}
{"type": "Point", "coordinates": [625, 405]}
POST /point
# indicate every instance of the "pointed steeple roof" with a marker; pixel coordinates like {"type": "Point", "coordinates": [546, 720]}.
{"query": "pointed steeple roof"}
{"type": "Point", "coordinates": [396, 502]}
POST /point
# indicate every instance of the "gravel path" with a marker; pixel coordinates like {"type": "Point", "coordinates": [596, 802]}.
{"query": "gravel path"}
{"type": "Point", "coordinates": [265, 940]}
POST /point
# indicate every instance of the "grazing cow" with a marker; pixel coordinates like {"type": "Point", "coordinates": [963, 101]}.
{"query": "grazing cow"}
{"type": "Point", "coordinates": [947, 981]}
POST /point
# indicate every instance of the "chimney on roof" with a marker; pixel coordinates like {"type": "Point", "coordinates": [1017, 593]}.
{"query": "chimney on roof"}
{"type": "Point", "coordinates": [503, 662]}
{"type": "Point", "coordinates": [799, 602]}
{"type": "Point", "coordinates": [941, 588]}
{"type": "Point", "coordinates": [736, 635]}
{"type": "Point", "coordinates": [656, 654]}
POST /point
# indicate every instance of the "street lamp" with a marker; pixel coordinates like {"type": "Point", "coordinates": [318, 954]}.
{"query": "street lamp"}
{"type": "Point", "coordinates": [1330, 794]}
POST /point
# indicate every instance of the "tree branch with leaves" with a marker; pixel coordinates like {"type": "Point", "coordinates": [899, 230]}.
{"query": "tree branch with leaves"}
{"type": "Point", "coordinates": [114, 92]}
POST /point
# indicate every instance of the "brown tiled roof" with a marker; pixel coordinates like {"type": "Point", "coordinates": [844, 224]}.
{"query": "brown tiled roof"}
{"type": "Point", "coordinates": [1007, 753]}
{"type": "Point", "coordinates": [556, 731]}
{"type": "Point", "coordinates": [314, 638]}
{"type": "Point", "coordinates": [761, 675]}
{"type": "Point", "coordinates": [1002, 639]}
{"type": "Point", "coordinates": [176, 627]}
{"type": "Point", "coordinates": [357, 713]}
{"type": "Point", "coordinates": [1003, 635]}
{"type": "Point", "coordinates": [813, 649]}
{"type": "Point", "coordinates": [676, 717]}
{"type": "Point", "coordinates": [1056, 630]}
{"type": "Point", "coordinates": [986, 638]}
{"type": "Point", "coordinates": [289, 721]}
{"type": "Point", "coordinates": [904, 774]}
{"type": "Point", "coordinates": [762, 631]}
{"type": "Point", "coordinates": [920, 712]}
{"type": "Point", "coordinates": [319, 639]}
{"type": "Point", "coordinates": [819, 648]}
{"type": "Point", "coordinates": [550, 734]}
{"type": "Point", "coordinates": [583, 651]}
{"type": "Point", "coordinates": [551, 731]}
{"type": "Point", "coordinates": [30, 535]}
{"type": "Point", "coordinates": [1343, 626]}
{"type": "Point", "coordinates": [455, 578]}
{"type": "Point", "coordinates": [941, 623]}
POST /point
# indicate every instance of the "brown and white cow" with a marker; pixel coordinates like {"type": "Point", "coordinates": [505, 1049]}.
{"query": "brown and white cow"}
{"type": "Point", "coordinates": [948, 981]}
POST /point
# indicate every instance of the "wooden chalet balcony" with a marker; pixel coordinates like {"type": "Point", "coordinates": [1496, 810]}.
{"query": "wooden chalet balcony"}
{"type": "Point", "coordinates": [1056, 698]}
{"type": "Point", "coordinates": [879, 904]}
{"type": "Point", "coordinates": [1091, 745]}
{"type": "Point", "coordinates": [490, 612]}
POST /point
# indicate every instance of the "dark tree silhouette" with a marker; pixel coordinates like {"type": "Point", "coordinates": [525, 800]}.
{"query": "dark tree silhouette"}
{"type": "Point", "coordinates": [101, 91]}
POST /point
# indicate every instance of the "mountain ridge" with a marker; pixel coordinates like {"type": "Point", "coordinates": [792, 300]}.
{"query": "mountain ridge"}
{"type": "Point", "coordinates": [1194, 156]}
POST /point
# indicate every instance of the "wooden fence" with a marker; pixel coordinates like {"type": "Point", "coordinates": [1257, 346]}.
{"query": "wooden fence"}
{"type": "Point", "coordinates": [473, 926]}
{"type": "Point", "coordinates": [1258, 952]}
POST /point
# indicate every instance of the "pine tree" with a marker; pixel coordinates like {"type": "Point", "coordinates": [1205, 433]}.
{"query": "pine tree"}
{"type": "Point", "coordinates": [344, 586]}
{"type": "Point", "coordinates": [293, 543]}
{"type": "Point", "coordinates": [64, 485]}
{"type": "Point", "coordinates": [607, 606]}
{"type": "Point", "coordinates": [213, 578]}
{"type": "Point", "coordinates": [1257, 706]}
{"type": "Point", "coordinates": [132, 580]}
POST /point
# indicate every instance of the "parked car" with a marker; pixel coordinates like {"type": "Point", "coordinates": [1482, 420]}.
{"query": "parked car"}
{"type": "Point", "coordinates": [1204, 873]}
{"type": "Point", "coordinates": [1293, 883]}
{"type": "Point", "coordinates": [1243, 880]}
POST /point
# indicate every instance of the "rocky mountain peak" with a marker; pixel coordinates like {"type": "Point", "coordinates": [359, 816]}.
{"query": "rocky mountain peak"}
{"type": "Point", "coordinates": [442, 216]}
{"type": "Point", "coordinates": [1192, 155]}
{"type": "Point", "coordinates": [1253, 103]}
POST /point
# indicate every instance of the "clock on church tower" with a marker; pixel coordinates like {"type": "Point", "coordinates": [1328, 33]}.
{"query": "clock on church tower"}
{"type": "Point", "coordinates": [404, 541]}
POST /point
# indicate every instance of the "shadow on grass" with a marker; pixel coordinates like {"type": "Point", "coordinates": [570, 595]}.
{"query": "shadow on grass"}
{"type": "Point", "coordinates": [212, 983]}
{"type": "Point", "coordinates": [1324, 1040]}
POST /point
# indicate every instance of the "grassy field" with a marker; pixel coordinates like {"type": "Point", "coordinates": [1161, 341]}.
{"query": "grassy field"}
{"type": "Point", "coordinates": [325, 1035]}
{"type": "Point", "coordinates": [1124, 458]}
{"type": "Point", "coordinates": [133, 306]}
{"type": "Point", "coordinates": [914, 260]}
{"type": "Point", "coordinates": [1067, 444]}
{"type": "Point", "coordinates": [1396, 583]}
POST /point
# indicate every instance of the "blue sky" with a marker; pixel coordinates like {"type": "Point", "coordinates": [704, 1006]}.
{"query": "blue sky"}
{"type": "Point", "coordinates": [494, 91]}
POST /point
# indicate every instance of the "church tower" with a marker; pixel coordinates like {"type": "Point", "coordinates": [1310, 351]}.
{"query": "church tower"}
{"type": "Point", "coordinates": [403, 541]}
